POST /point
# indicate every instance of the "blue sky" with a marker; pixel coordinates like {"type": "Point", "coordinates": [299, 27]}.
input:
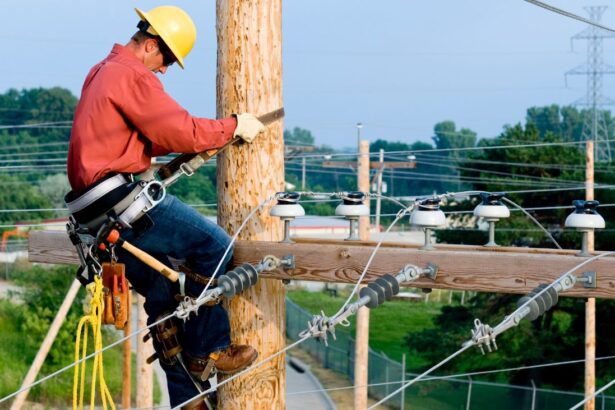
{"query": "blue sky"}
{"type": "Point", "coordinates": [396, 66]}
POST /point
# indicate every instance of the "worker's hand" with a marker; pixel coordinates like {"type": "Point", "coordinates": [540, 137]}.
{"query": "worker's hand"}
{"type": "Point", "coordinates": [248, 127]}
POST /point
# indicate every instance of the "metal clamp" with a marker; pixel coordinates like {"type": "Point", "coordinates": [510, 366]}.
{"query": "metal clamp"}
{"type": "Point", "coordinates": [482, 335]}
{"type": "Point", "coordinates": [185, 307]}
{"type": "Point", "coordinates": [565, 283]}
{"type": "Point", "coordinates": [319, 327]}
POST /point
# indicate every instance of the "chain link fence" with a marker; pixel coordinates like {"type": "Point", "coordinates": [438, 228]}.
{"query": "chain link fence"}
{"type": "Point", "coordinates": [386, 375]}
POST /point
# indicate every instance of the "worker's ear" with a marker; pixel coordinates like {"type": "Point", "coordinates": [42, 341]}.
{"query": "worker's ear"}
{"type": "Point", "coordinates": [151, 45]}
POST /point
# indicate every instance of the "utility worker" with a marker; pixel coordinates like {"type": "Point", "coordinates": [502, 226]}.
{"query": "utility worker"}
{"type": "Point", "coordinates": [123, 119]}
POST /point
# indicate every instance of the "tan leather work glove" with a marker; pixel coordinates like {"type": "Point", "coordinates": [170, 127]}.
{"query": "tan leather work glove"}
{"type": "Point", "coordinates": [248, 127]}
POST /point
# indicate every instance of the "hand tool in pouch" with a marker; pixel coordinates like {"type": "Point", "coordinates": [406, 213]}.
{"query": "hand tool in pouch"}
{"type": "Point", "coordinates": [149, 260]}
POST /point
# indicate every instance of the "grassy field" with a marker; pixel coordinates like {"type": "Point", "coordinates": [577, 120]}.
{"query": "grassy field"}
{"type": "Point", "coordinates": [389, 323]}
{"type": "Point", "coordinates": [16, 356]}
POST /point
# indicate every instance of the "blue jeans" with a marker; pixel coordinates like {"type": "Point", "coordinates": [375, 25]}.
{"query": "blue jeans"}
{"type": "Point", "coordinates": [181, 233]}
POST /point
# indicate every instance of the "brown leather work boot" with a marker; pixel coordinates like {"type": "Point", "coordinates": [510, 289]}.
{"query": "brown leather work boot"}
{"type": "Point", "coordinates": [196, 404]}
{"type": "Point", "coordinates": [235, 358]}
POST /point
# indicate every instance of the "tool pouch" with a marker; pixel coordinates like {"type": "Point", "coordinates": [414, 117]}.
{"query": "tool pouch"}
{"type": "Point", "coordinates": [166, 337]}
{"type": "Point", "coordinates": [116, 294]}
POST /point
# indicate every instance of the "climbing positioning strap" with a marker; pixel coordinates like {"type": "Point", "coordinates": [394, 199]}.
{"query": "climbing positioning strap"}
{"type": "Point", "coordinates": [93, 320]}
{"type": "Point", "coordinates": [203, 369]}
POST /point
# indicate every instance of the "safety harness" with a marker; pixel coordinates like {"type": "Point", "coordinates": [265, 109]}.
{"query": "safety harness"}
{"type": "Point", "coordinates": [113, 202]}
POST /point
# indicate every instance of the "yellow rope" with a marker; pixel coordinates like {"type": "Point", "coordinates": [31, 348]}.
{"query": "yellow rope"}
{"type": "Point", "coordinates": [93, 317]}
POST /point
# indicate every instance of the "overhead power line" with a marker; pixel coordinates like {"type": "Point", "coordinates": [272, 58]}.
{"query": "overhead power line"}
{"type": "Point", "coordinates": [459, 376]}
{"type": "Point", "coordinates": [421, 176]}
{"type": "Point", "coordinates": [486, 171]}
{"type": "Point", "coordinates": [569, 14]}
{"type": "Point", "coordinates": [55, 124]}
{"type": "Point", "coordinates": [464, 149]}
{"type": "Point", "coordinates": [570, 167]}
{"type": "Point", "coordinates": [30, 154]}
{"type": "Point", "coordinates": [22, 146]}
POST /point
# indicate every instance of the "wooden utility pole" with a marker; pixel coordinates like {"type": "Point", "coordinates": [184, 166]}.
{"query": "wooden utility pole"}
{"type": "Point", "coordinates": [54, 328]}
{"type": "Point", "coordinates": [145, 372]}
{"type": "Point", "coordinates": [249, 79]}
{"type": "Point", "coordinates": [590, 306]}
{"type": "Point", "coordinates": [361, 351]}
{"type": "Point", "coordinates": [379, 189]}
{"type": "Point", "coordinates": [303, 173]}
{"type": "Point", "coordinates": [363, 185]}
{"type": "Point", "coordinates": [127, 353]}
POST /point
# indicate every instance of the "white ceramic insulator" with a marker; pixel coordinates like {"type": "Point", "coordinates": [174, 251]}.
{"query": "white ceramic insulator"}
{"type": "Point", "coordinates": [584, 221]}
{"type": "Point", "coordinates": [428, 219]}
{"type": "Point", "coordinates": [287, 210]}
{"type": "Point", "coordinates": [352, 210]}
{"type": "Point", "coordinates": [492, 211]}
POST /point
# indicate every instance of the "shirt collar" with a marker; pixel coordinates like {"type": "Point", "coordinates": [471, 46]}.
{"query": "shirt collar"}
{"type": "Point", "coordinates": [122, 51]}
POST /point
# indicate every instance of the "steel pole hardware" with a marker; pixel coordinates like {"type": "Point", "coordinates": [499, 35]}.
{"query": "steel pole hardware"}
{"type": "Point", "coordinates": [531, 306]}
{"type": "Point", "coordinates": [233, 282]}
{"type": "Point", "coordinates": [376, 292]}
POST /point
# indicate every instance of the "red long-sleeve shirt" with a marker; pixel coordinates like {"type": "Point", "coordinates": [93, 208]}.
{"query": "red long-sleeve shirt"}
{"type": "Point", "coordinates": [125, 117]}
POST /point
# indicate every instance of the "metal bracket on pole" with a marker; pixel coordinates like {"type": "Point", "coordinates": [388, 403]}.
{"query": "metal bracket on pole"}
{"type": "Point", "coordinates": [287, 262]}
{"type": "Point", "coordinates": [588, 279]}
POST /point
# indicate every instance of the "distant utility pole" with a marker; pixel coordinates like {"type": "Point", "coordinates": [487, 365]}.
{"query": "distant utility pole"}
{"type": "Point", "coordinates": [359, 126]}
{"type": "Point", "coordinates": [598, 148]}
{"type": "Point", "coordinates": [361, 352]}
{"type": "Point", "coordinates": [594, 125]}
{"type": "Point", "coordinates": [590, 305]}
{"type": "Point", "coordinates": [303, 173]}
{"type": "Point", "coordinates": [379, 187]}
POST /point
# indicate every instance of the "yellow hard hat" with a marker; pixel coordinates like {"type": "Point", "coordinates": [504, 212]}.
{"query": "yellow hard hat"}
{"type": "Point", "coordinates": [175, 28]}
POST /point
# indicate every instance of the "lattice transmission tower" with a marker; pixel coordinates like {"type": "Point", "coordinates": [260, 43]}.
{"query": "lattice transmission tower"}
{"type": "Point", "coordinates": [594, 124]}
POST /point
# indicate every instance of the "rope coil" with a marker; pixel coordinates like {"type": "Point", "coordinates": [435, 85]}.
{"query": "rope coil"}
{"type": "Point", "coordinates": [91, 320]}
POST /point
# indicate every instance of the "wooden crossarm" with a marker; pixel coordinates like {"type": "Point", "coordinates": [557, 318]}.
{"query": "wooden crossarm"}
{"type": "Point", "coordinates": [470, 268]}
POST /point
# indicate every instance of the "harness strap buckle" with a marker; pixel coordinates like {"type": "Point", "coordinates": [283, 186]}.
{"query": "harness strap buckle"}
{"type": "Point", "coordinates": [152, 194]}
{"type": "Point", "coordinates": [186, 169]}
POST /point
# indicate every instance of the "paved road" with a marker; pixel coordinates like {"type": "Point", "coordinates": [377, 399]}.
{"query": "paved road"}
{"type": "Point", "coordinates": [6, 288]}
{"type": "Point", "coordinates": [299, 378]}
